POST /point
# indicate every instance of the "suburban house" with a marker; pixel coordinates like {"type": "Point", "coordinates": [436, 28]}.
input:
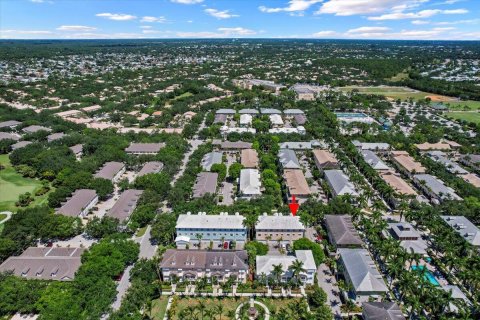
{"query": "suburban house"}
{"type": "Point", "coordinates": [471, 178]}
{"type": "Point", "coordinates": [465, 228]}
{"type": "Point", "coordinates": [471, 160]}
{"type": "Point", "coordinates": [434, 188]}
{"type": "Point", "coordinates": [361, 272]}
{"type": "Point", "coordinates": [11, 124]}
{"type": "Point", "coordinates": [144, 148]}
{"type": "Point", "coordinates": [189, 265]}
{"type": "Point", "coordinates": [277, 227]}
{"type": "Point", "coordinates": [265, 266]}
{"type": "Point", "coordinates": [409, 238]}
{"type": "Point", "coordinates": [397, 183]}
{"type": "Point", "coordinates": [252, 112]}
{"type": "Point", "coordinates": [288, 159]}
{"type": "Point", "coordinates": [206, 183]}
{"type": "Point", "coordinates": [19, 144]}
{"type": "Point", "coordinates": [450, 165]}
{"type": "Point", "coordinates": [79, 204]}
{"type": "Point", "coordinates": [341, 232]}
{"type": "Point", "coordinates": [324, 159]}
{"type": "Point", "coordinates": [211, 227]}
{"type": "Point", "coordinates": [210, 159]}
{"type": "Point", "coordinates": [55, 136]}
{"type": "Point", "coordinates": [220, 118]}
{"type": "Point", "coordinates": [35, 128]}
{"type": "Point", "coordinates": [236, 146]}
{"type": "Point", "coordinates": [379, 147]}
{"type": "Point", "coordinates": [406, 163]}
{"type": "Point", "coordinates": [150, 167]}
{"type": "Point", "coordinates": [456, 294]}
{"type": "Point", "coordinates": [245, 120]}
{"type": "Point", "coordinates": [339, 183]}
{"type": "Point", "coordinates": [50, 263]}
{"type": "Point", "coordinates": [250, 185]}
{"type": "Point", "coordinates": [303, 92]}
{"type": "Point", "coordinates": [386, 310]}
{"type": "Point", "coordinates": [296, 184]}
{"type": "Point", "coordinates": [423, 147]}
{"type": "Point", "coordinates": [77, 150]}
{"type": "Point", "coordinates": [125, 205]}
{"type": "Point", "coordinates": [229, 112]}
{"type": "Point", "coordinates": [111, 171]}
{"type": "Point", "coordinates": [270, 111]}
{"type": "Point", "coordinates": [301, 145]}
{"type": "Point", "coordinates": [374, 161]}
{"type": "Point", "coordinates": [275, 120]}
{"type": "Point", "coordinates": [249, 158]}
{"type": "Point", "coordinates": [9, 136]}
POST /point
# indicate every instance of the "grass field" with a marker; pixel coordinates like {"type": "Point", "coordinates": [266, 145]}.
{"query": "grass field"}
{"type": "Point", "coordinates": [2, 216]}
{"type": "Point", "coordinates": [229, 305]}
{"type": "Point", "coordinates": [183, 95]}
{"type": "Point", "coordinates": [467, 116]}
{"type": "Point", "coordinates": [158, 308]}
{"type": "Point", "coordinates": [459, 105]}
{"type": "Point", "coordinates": [13, 184]}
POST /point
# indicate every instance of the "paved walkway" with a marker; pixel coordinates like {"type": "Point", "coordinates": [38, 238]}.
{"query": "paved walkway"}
{"type": "Point", "coordinates": [122, 288]}
{"type": "Point", "coordinates": [329, 284]}
{"type": "Point", "coordinates": [252, 303]}
{"type": "Point", "coordinates": [8, 216]}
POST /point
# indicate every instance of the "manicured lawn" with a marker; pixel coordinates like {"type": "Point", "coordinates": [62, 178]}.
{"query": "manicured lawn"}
{"type": "Point", "coordinates": [158, 307]}
{"type": "Point", "coordinates": [13, 184]}
{"type": "Point", "coordinates": [400, 76]}
{"type": "Point", "coordinates": [183, 95]}
{"type": "Point", "coordinates": [467, 116]}
{"type": "Point", "coordinates": [459, 105]}
{"type": "Point", "coordinates": [402, 93]}
{"type": "Point", "coordinates": [2, 216]}
{"type": "Point", "coordinates": [141, 231]}
{"type": "Point", "coordinates": [229, 305]}
{"type": "Point", "coordinates": [274, 305]}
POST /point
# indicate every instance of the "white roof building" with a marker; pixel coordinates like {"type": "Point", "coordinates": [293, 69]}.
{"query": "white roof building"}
{"type": "Point", "coordinates": [465, 228]}
{"type": "Point", "coordinates": [250, 183]}
{"type": "Point", "coordinates": [276, 119]}
{"type": "Point", "coordinates": [265, 265]}
{"type": "Point", "coordinates": [246, 120]}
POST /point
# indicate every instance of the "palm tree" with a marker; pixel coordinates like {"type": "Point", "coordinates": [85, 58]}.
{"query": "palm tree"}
{"type": "Point", "coordinates": [202, 306]}
{"type": "Point", "coordinates": [199, 237]}
{"type": "Point", "coordinates": [296, 268]}
{"type": "Point", "coordinates": [277, 272]}
{"type": "Point", "coordinates": [219, 310]}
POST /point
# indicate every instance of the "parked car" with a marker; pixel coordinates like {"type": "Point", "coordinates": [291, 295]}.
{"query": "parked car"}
{"type": "Point", "coordinates": [226, 245]}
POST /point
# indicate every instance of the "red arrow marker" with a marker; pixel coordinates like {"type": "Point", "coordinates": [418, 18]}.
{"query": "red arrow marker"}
{"type": "Point", "coordinates": [293, 206]}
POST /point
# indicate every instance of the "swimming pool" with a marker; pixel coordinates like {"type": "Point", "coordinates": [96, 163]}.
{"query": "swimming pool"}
{"type": "Point", "coordinates": [350, 115]}
{"type": "Point", "coordinates": [428, 275]}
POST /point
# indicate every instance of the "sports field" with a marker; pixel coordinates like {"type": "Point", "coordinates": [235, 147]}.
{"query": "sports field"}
{"type": "Point", "coordinates": [464, 105]}
{"type": "Point", "coordinates": [402, 93]}
{"type": "Point", "coordinates": [13, 184]}
{"type": "Point", "coordinates": [467, 116]}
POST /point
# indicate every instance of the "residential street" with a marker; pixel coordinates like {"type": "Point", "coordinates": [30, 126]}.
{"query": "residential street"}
{"type": "Point", "coordinates": [329, 284]}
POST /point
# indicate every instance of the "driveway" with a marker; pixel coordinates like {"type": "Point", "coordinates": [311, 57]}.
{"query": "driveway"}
{"type": "Point", "coordinates": [147, 249]}
{"type": "Point", "coordinates": [227, 192]}
{"type": "Point", "coordinates": [122, 288]}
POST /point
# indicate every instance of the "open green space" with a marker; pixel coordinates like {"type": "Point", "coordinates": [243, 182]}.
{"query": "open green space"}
{"type": "Point", "coordinates": [399, 76]}
{"type": "Point", "coordinates": [393, 92]}
{"type": "Point", "coordinates": [12, 185]}
{"type": "Point", "coordinates": [460, 105]}
{"type": "Point", "coordinates": [183, 95]}
{"type": "Point", "coordinates": [211, 305]}
{"type": "Point", "coordinates": [467, 116]}
{"type": "Point", "coordinates": [2, 216]}
{"type": "Point", "coordinates": [159, 307]}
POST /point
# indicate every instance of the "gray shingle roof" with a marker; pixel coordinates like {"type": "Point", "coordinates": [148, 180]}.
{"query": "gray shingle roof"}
{"type": "Point", "coordinates": [288, 159]}
{"type": "Point", "coordinates": [144, 147]}
{"type": "Point", "coordinates": [80, 199]}
{"type": "Point", "coordinates": [293, 111]}
{"type": "Point", "coordinates": [270, 111]}
{"type": "Point", "coordinates": [202, 259]}
{"type": "Point", "coordinates": [123, 208]}
{"type": "Point", "coordinates": [150, 167]}
{"type": "Point", "coordinates": [225, 111]}
{"type": "Point", "coordinates": [341, 230]}
{"type": "Point", "coordinates": [248, 111]}
{"type": "Point", "coordinates": [109, 170]}
{"type": "Point", "coordinates": [9, 123]}
{"type": "Point", "coordinates": [55, 136]}
{"type": "Point", "coordinates": [20, 145]}
{"type": "Point", "coordinates": [210, 159]}
{"type": "Point", "coordinates": [206, 183]}
{"type": "Point", "coordinates": [437, 187]}
{"type": "Point", "coordinates": [362, 271]}
{"type": "Point", "coordinates": [35, 128]}
{"type": "Point", "coordinates": [45, 263]}
{"type": "Point", "coordinates": [465, 228]}
{"type": "Point", "coordinates": [340, 183]}
{"type": "Point", "coordinates": [9, 136]}
{"type": "Point", "coordinates": [382, 311]}
{"type": "Point", "coordinates": [373, 160]}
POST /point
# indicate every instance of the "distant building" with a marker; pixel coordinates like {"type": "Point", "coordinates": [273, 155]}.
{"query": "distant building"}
{"type": "Point", "coordinates": [407, 164]}
{"type": "Point", "coordinates": [296, 184]}
{"type": "Point", "coordinates": [265, 265]}
{"type": "Point", "coordinates": [275, 120]}
{"type": "Point", "coordinates": [341, 232]}
{"type": "Point", "coordinates": [206, 183]}
{"type": "Point", "coordinates": [235, 146]}
{"type": "Point", "coordinates": [434, 188]}
{"type": "Point", "coordinates": [190, 265]}
{"type": "Point", "coordinates": [125, 205]}
{"type": "Point", "coordinates": [111, 171]}
{"type": "Point", "coordinates": [9, 136]}
{"type": "Point", "coordinates": [433, 146]}
{"type": "Point", "coordinates": [270, 111]}
{"type": "Point", "coordinates": [300, 145]}
{"type": "Point", "coordinates": [339, 183]}
{"type": "Point", "coordinates": [144, 148]}
{"type": "Point", "coordinates": [382, 311]}
{"type": "Point", "coordinates": [227, 112]}
{"type": "Point", "coordinates": [249, 158]}
{"type": "Point", "coordinates": [374, 161]}
{"type": "Point", "coordinates": [246, 120]}
{"type": "Point", "coordinates": [324, 159]}
{"type": "Point", "coordinates": [55, 136]}
{"type": "Point", "coordinates": [471, 160]}
{"type": "Point", "coordinates": [210, 159]}
{"type": "Point", "coordinates": [79, 204]}
{"type": "Point", "coordinates": [409, 238]}
{"type": "Point", "coordinates": [250, 185]}
{"type": "Point", "coordinates": [361, 272]}
{"type": "Point", "coordinates": [50, 263]}
{"type": "Point", "coordinates": [464, 228]}
{"type": "Point", "coordinates": [252, 112]}
{"type": "Point", "coordinates": [11, 124]}
{"type": "Point", "coordinates": [450, 165]}
{"type": "Point", "coordinates": [77, 150]}
{"type": "Point", "coordinates": [372, 146]}
{"type": "Point", "coordinates": [212, 227]}
{"type": "Point", "coordinates": [279, 228]}
{"type": "Point", "coordinates": [397, 183]}
{"type": "Point", "coordinates": [19, 145]}
{"type": "Point", "coordinates": [35, 128]}
{"type": "Point", "coordinates": [150, 167]}
{"type": "Point", "coordinates": [471, 178]}
{"type": "Point", "coordinates": [288, 159]}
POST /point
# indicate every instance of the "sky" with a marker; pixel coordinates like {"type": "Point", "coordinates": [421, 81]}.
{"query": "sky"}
{"type": "Point", "coordinates": [322, 19]}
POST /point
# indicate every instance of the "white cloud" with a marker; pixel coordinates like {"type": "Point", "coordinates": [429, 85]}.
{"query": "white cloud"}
{"type": "Point", "coordinates": [187, 1]}
{"type": "Point", "coordinates": [293, 5]}
{"type": "Point", "coordinates": [11, 31]}
{"type": "Point", "coordinates": [354, 7]}
{"type": "Point", "coordinates": [225, 14]}
{"type": "Point", "coordinates": [223, 32]}
{"type": "Point", "coordinates": [368, 30]}
{"type": "Point", "coordinates": [76, 28]}
{"type": "Point", "coordinates": [419, 22]}
{"type": "Point", "coordinates": [447, 23]}
{"type": "Point", "coordinates": [116, 16]}
{"type": "Point", "coordinates": [325, 34]}
{"type": "Point", "coordinates": [153, 19]}
{"type": "Point", "coordinates": [416, 15]}
{"type": "Point", "coordinates": [145, 27]}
